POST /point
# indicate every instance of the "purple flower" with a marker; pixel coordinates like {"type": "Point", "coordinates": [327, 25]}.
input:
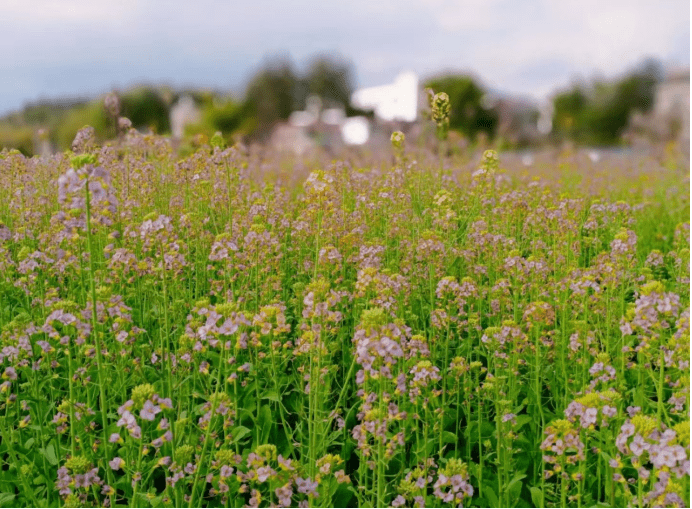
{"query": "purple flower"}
{"type": "Point", "coordinates": [589, 417]}
{"type": "Point", "coordinates": [116, 463]}
{"type": "Point", "coordinates": [284, 494]}
{"type": "Point", "coordinates": [165, 403]}
{"type": "Point", "coordinates": [127, 419]}
{"type": "Point", "coordinates": [665, 456]}
{"type": "Point", "coordinates": [667, 436]}
{"type": "Point", "coordinates": [149, 411]}
{"type": "Point", "coordinates": [627, 429]}
{"type": "Point", "coordinates": [135, 432]}
{"type": "Point", "coordinates": [633, 410]}
{"type": "Point", "coordinates": [596, 368]}
{"type": "Point", "coordinates": [285, 463]}
{"type": "Point", "coordinates": [509, 417]}
{"type": "Point", "coordinates": [307, 486]}
{"type": "Point", "coordinates": [638, 445]}
{"type": "Point", "coordinates": [264, 473]}
{"type": "Point", "coordinates": [609, 411]}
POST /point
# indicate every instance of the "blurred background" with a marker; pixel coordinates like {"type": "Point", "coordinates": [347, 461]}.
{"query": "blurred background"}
{"type": "Point", "coordinates": [305, 74]}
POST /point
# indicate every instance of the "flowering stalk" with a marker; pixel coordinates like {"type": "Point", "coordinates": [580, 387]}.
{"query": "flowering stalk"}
{"type": "Point", "coordinates": [103, 401]}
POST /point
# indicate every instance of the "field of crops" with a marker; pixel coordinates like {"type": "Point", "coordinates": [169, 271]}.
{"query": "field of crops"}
{"type": "Point", "coordinates": [235, 328]}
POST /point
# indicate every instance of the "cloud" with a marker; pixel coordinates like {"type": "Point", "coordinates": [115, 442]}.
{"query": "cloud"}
{"type": "Point", "coordinates": [54, 46]}
{"type": "Point", "coordinates": [507, 39]}
{"type": "Point", "coordinates": [72, 12]}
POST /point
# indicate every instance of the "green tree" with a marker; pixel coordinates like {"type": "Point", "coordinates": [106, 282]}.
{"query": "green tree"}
{"type": "Point", "coordinates": [221, 114]}
{"type": "Point", "coordinates": [271, 94]}
{"type": "Point", "coordinates": [146, 108]}
{"type": "Point", "coordinates": [329, 78]}
{"type": "Point", "coordinates": [568, 110]}
{"type": "Point", "coordinates": [599, 114]}
{"type": "Point", "coordinates": [467, 115]}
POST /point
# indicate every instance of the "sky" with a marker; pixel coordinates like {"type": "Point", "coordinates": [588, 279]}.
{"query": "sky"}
{"type": "Point", "coordinates": [77, 48]}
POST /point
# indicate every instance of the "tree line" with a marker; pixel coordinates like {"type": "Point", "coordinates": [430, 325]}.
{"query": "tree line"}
{"type": "Point", "coordinates": [594, 114]}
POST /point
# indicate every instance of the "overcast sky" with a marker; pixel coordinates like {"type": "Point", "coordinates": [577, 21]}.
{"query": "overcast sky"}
{"type": "Point", "coordinates": [57, 48]}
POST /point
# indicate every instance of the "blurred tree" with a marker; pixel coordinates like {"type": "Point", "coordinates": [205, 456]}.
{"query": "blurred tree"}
{"type": "Point", "coordinates": [467, 115]}
{"type": "Point", "coordinates": [568, 108]}
{"type": "Point", "coordinates": [329, 78]}
{"type": "Point", "coordinates": [20, 138]}
{"type": "Point", "coordinates": [225, 115]}
{"type": "Point", "coordinates": [599, 115]}
{"type": "Point", "coordinates": [146, 108]}
{"type": "Point", "coordinates": [271, 94]}
{"type": "Point", "coordinates": [91, 114]}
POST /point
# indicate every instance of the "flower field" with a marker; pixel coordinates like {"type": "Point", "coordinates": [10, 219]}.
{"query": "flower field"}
{"type": "Point", "coordinates": [234, 328]}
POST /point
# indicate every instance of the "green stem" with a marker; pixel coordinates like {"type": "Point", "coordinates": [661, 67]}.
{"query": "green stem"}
{"type": "Point", "coordinates": [103, 401]}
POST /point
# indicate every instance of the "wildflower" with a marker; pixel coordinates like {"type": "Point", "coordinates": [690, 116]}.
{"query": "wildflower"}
{"type": "Point", "coordinates": [307, 486]}
{"type": "Point", "coordinates": [397, 139]}
{"type": "Point", "coordinates": [149, 411]}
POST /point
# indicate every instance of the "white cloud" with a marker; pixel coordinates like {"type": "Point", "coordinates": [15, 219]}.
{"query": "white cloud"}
{"type": "Point", "coordinates": [69, 11]}
{"type": "Point", "coordinates": [505, 38]}
{"type": "Point", "coordinates": [454, 15]}
{"type": "Point", "coordinates": [526, 46]}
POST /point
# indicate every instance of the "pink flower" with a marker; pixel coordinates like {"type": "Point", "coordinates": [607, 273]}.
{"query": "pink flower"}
{"type": "Point", "coordinates": [116, 463]}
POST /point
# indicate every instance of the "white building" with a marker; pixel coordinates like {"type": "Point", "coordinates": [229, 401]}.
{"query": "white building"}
{"type": "Point", "coordinates": [669, 119]}
{"type": "Point", "coordinates": [396, 101]}
{"type": "Point", "coordinates": [183, 113]}
{"type": "Point", "coordinates": [672, 96]}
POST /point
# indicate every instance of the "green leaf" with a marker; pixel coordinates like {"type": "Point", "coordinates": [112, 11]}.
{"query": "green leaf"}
{"type": "Point", "coordinates": [449, 438]}
{"type": "Point", "coordinates": [49, 454]}
{"type": "Point", "coordinates": [240, 432]}
{"type": "Point", "coordinates": [515, 479]}
{"type": "Point", "coordinates": [514, 487]}
{"type": "Point", "coordinates": [265, 422]}
{"type": "Point", "coordinates": [490, 495]}
{"type": "Point", "coordinates": [271, 396]}
{"type": "Point", "coordinates": [523, 420]}
{"type": "Point", "coordinates": [6, 498]}
{"type": "Point", "coordinates": [536, 496]}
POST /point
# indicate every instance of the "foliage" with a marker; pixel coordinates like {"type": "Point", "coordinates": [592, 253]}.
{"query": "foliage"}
{"type": "Point", "coordinates": [599, 114]}
{"type": "Point", "coordinates": [278, 89]}
{"type": "Point", "coordinates": [19, 138]}
{"type": "Point", "coordinates": [232, 329]}
{"type": "Point", "coordinates": [467, 114]}
{"type": "Point", "coordinates": [147, 109]}
{"type": "Point", "coordinates": [330, 79]}
{"type": "Point", "coordinates": [226, 116]}
{"type": "Point", "coordinates": [271, 94]}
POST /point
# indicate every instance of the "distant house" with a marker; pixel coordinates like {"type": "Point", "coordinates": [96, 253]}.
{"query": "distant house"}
{"type": "Point", "coordinates": [319, 127]}
{"type": "Point", "coordinates": [518, 120]}
{"type": "Point", "coordinates": [290, 138]}
{"type": "Point", "coordinates": [396, 101]}
{"type": "Point", "coordinates": [672, 103]}
{"type": "Point", "coordinates": [183, 113]}
{"type": "Point", "coordinates": [329, 127]}
{"type": "Point", "coordinates": [669, 119]}
{"type": "Point", "coordinates": [672, 97]}
{"type": "Point", "coordinates": [42, 144]}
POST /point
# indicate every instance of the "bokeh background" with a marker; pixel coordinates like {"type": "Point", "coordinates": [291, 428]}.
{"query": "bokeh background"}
{"type": "Point", "coordinates": [308, 73]}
